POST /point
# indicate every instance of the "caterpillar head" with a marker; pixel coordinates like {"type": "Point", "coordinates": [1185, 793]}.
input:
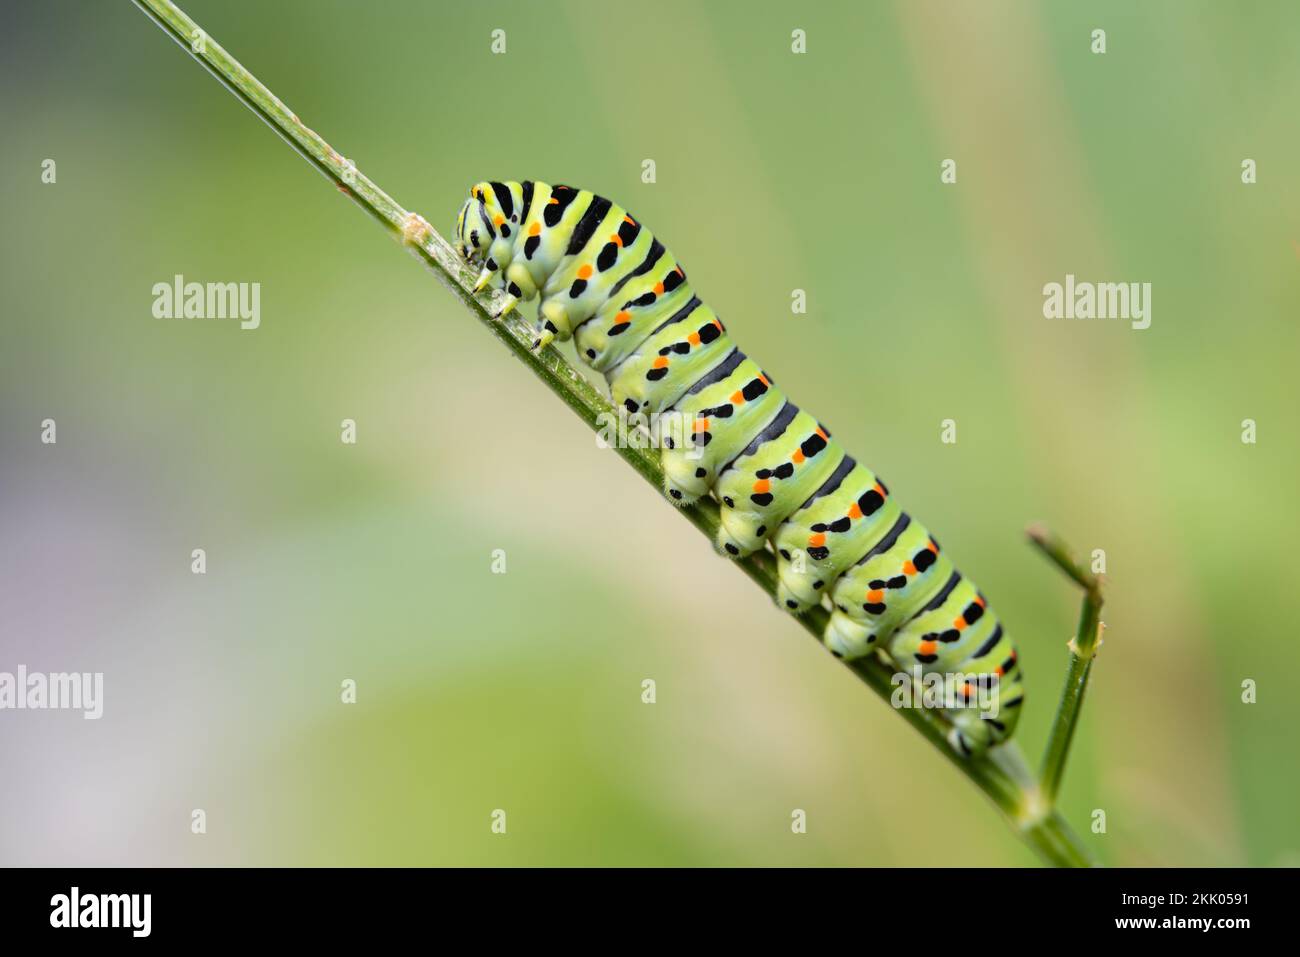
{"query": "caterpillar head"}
{"type": "Point", "coordinates": [480, 223]}
{"type": "Point", "coordinates": [469, 232]}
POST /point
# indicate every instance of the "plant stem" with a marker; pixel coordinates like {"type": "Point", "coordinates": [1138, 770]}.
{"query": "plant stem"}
{"type": "Point", "coordinates": [1083, 648]}
{"type": "Point", "coordinates": [1002, 776]}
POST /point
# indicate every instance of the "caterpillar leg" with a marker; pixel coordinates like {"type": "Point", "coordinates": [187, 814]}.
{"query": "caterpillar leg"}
{"type": "Point", "coordinates": [846, 638]}
{"type": "Point", "coordinates": [685, 478]}
{"type": "Point", "coordinates": [552, 324]}
{"type": "Point", "coordinates": [498, 258]}
{"type": "Point", "coordinates": [519, 282]}
{"type": "Point", "coordinates": [556, 317]}
{"type": "Point", "coordinates": [507, 307]}
{"type": "Point", "coordinates": [740, 533]}
{"type": "Point", "coordinates": [968, 738]}
{"type": "Point", "coordinates": [793, 592]}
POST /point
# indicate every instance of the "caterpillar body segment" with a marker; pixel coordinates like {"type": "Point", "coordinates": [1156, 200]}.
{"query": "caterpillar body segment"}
{"type": "Point", "coordinates": [724, 409]}
{"type": "Point", "coordinates": [726, 429]}
{"type": "Point", "coordinates": [654, 374]}
{"type": "Point", "coordinates": [897, 576]}
{"type": "Point", "coordinates": [833, 529]}
{"type": "Point", "coordinates": [769, 480]}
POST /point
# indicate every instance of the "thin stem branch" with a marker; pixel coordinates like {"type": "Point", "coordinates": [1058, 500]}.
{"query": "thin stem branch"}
{"type": "Point", "coordinates": [1083, 648]}
{"type": "Point", "coordinates": [1002, 776]}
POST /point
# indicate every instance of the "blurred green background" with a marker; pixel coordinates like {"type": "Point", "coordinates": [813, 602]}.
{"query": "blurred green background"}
{"type": "Point", "coordinates": [522, 691]}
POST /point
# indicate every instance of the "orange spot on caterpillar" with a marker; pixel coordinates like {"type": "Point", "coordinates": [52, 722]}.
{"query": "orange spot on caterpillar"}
{"type": "Point", "coordinates": [616, 239]}
{"type": "Point", "coordinates": [928, 647]}
{"type": "Point", "coordinates": [737, 398]}
{"type": "Point", "coordinates": [629, 220]}
{"type": "Point", "coordinates": [881, 489]}
{"type": "Point", "coordinates": [822, 432]}
{"type": "Point", "coordinates": [680, 273]}
{"type": "Point", "coordinates": [909, 569]}
{"type": "Point", "coordinates": [998, 671]}
{"type": "Point", "coordinates": [933, 547]}
{"type": "Point", "coordinates": [854, 511]}
{"type": "Point", "coordinates": [535, 229]}
{"type": "Point", "coordinates": [766, 380]}
{"type": "Point", "coordinates": [499, 220]}
{"type": "Point", "coordinates": [797, 458]}
{"type": "Point", "coordinates": [659, 289]}
{"type": "Point", "coordinates": [623, 317]}
{"type": "Point", "coordinates": [660, 362]}
{"type": "Point", "coordinates": [700, 425]}
{"type": "Point", "coordinates": [552, 202]}
{"type": "Point", "coordinates": [979, 600]}
{"type": "Point", "coordinates": [693, 338]}
{"type": "Point", "coordinates": [584, 271]}
{"type": "Point", "coordinates": [818, 540]}
{"type": "Point", "coordinates": [959, 623]}
{"type": "Point", "coordinates": [875, 596]}
{"type": "Point", "coordinates": [762, 486]}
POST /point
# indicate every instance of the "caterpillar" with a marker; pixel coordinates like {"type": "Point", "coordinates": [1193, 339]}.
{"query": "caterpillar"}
{"type": "Point", "coordinates": [838, 533]}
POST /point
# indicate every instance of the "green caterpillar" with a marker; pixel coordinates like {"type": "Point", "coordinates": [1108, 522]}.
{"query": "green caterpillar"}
{"type": "Point", "coordinates": [838, 533]}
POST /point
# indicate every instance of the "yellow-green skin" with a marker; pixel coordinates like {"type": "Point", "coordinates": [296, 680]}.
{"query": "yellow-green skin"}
{"type": "Point", "coordinates": [727, 430]}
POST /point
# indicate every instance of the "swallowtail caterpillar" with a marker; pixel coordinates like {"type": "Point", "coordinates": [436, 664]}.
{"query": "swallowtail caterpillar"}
{"type": "Point", "coordinates": [839, 535]}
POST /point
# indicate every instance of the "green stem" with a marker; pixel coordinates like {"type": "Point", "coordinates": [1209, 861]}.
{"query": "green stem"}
{"type": "Point", "coordinates": [1083, 648]}
{"type": "Point", "coordinates": [1003, 777]}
